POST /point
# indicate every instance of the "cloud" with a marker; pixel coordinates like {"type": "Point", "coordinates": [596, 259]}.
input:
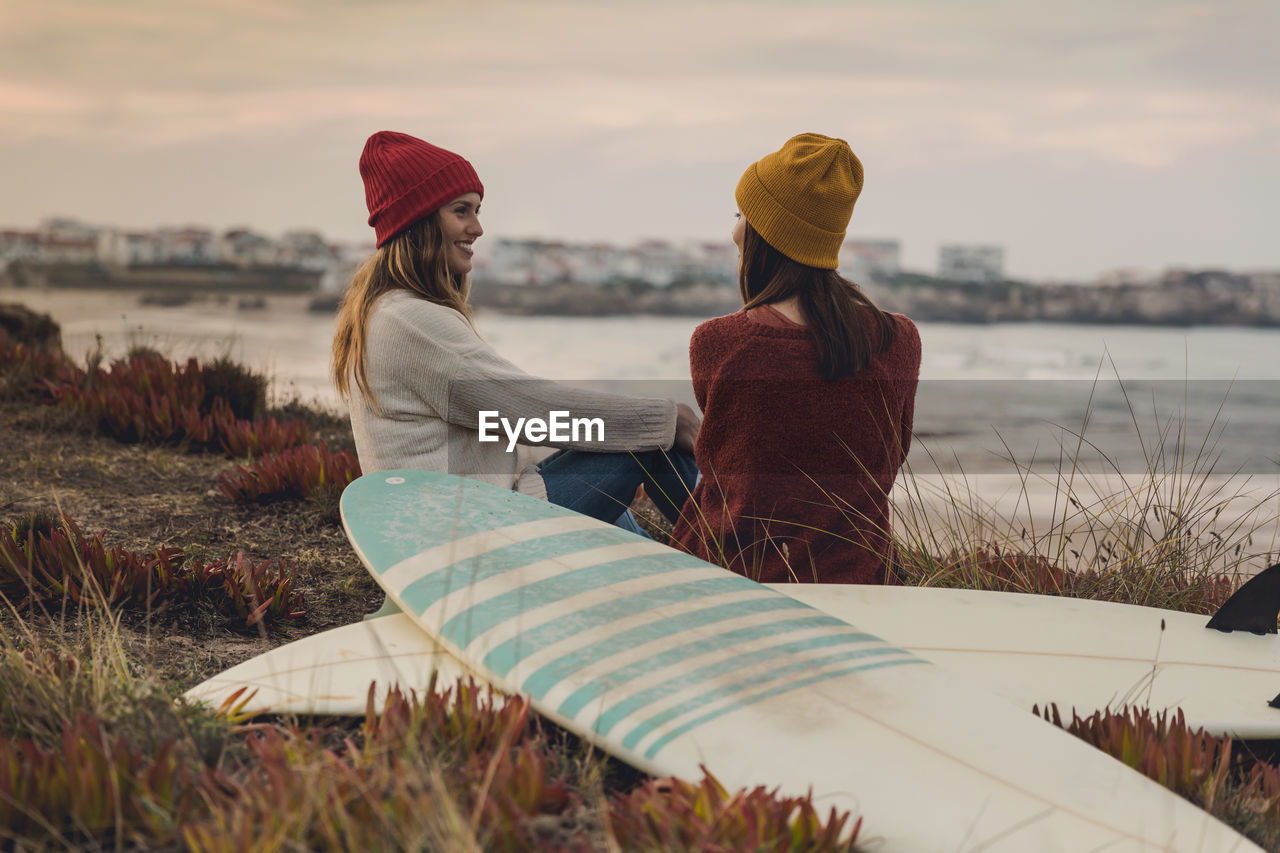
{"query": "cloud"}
{"type": "Point", "coordinates": [990, 76]}
{"type": "Point", "coordinates": [625, 98]}
{"type": "Point", "coordinates": [37, 100]}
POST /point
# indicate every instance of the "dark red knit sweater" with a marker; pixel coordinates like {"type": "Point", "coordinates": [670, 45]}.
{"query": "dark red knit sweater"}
{"type": "Point", "coordinates": [795, 469]}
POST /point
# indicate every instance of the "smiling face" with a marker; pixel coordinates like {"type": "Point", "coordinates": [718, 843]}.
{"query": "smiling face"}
{"type": "Point", "coordinates": [460, 223]}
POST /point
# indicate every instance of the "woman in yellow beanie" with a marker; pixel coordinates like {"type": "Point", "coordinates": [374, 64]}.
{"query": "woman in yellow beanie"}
{"type": "Point", "coordinates": [807, 393]}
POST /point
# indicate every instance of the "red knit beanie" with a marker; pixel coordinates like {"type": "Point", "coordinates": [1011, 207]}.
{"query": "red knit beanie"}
{"type": "Point", "coordinates": [406, 179]}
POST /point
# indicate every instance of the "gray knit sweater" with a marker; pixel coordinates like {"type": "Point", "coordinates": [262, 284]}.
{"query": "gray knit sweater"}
{"type": "Point", "coordinates": [432, 375]}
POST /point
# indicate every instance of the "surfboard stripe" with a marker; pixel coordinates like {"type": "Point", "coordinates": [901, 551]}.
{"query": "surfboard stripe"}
{"type": "Point", "coordinates": [453, 587]}
{"type": "Point", "coordinates": [628, 632]}
{"type": "Point", "coordinates": [606, 685]}
{"type": "Point", "coordinates": [469, 547]}
{"type": "Point", "coordinates": [548, 616]}
{"type": "Point", "coordinates": [727, 675]}
{"type": "Point", "coordinates": [611, 609]}
{"type": "Point", "coordinates": [657, 746]}
{"type": "Point", "coordinates": [599, 670]}
{"type": "Point", "coordinates": [722, 649]}
{"type": "Point", "coordinates": [745, 685]}
{"type": "Point", "coordinates": [550, 674]}
{"type": "Point", "coordinates": [519, 602]}
{"type": "Point", "coordinates": [534, 555]}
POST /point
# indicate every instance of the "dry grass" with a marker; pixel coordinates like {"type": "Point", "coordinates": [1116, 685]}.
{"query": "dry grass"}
{"type": "Point", "coordinates": [1177, 534]}
{"type": "Point", "coordinates": [99, 751]}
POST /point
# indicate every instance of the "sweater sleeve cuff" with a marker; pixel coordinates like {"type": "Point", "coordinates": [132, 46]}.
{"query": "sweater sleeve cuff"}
{"type": "Point", "coordinates": [669, 433]}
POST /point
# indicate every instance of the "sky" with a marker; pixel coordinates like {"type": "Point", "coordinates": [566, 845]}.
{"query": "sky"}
{"type": "Point", "coordinates": [1083, 137]}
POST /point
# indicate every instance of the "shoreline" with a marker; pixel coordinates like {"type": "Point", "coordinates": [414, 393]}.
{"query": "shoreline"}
{"type": "Point", "coordinates": [1233, 305]}
{"type": "Point", "coordinates": [991, 483]}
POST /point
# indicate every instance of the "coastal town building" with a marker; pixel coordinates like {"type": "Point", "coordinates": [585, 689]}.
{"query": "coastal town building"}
{"type": "Point", "coordinates": [875, 261]}
{"type": "Point", "coordinates": [1124, 275]}
{"type": "Point", "coordinates": [18, 245]}
{"type": "Point", "coordinates": [305, 249]}
{"type": "Point", "coordinates": [693, 278]}
{"type": "Point", "coordinates": [247, 248]}
{"type": "Point", "coordinates": [188, 245]}
{"type": "Point", "coordinates": [347, 259]}
{"type": "Point", "coordinates": [68, 250]}
{"type": "Point", "coordinates": [966, 262]}
{"type": "Point", "coordinates": [660, 264]}
{"type": "Point", "coordinates": [67, 253]}
{"type": "Point", "coordinates": [657, 263]}
{"type": "Point", "coordinates": [63, 241]}
{"type": "Point", "coordinates": [125, 248]}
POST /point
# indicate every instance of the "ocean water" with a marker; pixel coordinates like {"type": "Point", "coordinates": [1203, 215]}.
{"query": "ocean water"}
{"type": "Point", "coordinates": [1002, 410]}
{"type": "Point", "coordinates": [986, 391]}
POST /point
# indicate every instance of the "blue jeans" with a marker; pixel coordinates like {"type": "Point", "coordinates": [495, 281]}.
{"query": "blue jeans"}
{"type": "Point", "coordinates": [602, 485]}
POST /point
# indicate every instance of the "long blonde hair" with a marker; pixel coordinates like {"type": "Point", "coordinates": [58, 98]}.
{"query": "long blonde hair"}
{"type": "Point", "coordinates": [413, 260]}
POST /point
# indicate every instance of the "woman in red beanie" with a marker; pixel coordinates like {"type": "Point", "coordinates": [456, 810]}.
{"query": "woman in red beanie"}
{"type": "Point", "coordinates": [426, 391]}
{"type": "Point", "coordinates": [807, 393]}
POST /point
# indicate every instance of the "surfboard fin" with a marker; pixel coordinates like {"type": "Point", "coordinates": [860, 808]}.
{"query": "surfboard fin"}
{"type": "Point", "coordinates": [388, 608]}
{"type": "Point", "coordinates": [1254, 607]}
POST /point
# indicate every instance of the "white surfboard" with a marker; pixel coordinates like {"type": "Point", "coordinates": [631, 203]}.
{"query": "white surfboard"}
{"type": "Point", "coordinates": [1031, 649]}
{"type": "Point", "coordinates": [671, 664]}
{"type": "Point", "coordinates": [1086, 655]}
{"type": "Point", "coordinates": [332, 672]}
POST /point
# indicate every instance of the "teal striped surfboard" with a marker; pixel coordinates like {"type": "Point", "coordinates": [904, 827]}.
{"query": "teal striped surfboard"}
{"type": "Point", "coordinates": [671, 663]}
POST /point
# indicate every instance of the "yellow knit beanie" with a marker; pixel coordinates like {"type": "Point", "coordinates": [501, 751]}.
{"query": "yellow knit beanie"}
{"type": "Point", "coordinates": [800, 197]}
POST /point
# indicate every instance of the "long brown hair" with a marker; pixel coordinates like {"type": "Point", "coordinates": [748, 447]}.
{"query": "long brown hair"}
{"type": "Point", "coordinates": [413, 260]}
{"type": "Point", "coordinates": [848, 330]}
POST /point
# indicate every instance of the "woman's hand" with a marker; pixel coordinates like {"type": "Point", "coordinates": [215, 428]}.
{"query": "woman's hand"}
{"type": "Point", "coordinates": [688, 422]}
